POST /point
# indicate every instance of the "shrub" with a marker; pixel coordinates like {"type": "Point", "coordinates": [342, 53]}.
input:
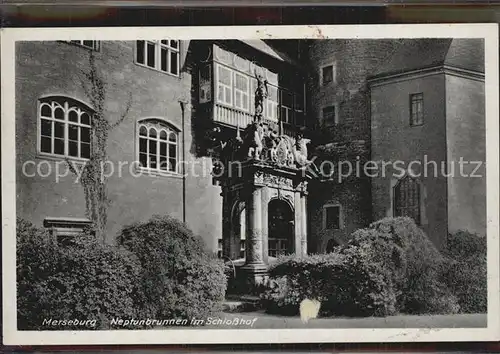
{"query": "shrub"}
{"type": "Point", "coordinates": [415, 265]}
{"type": "Point", "coordinates": [465, 271]}
{"type": "Point", "coordinates": [179, 278]}
{"type": "Point", "coordinates": [86, 280]}
{"type": "Point", "coordinates": [345, 284]}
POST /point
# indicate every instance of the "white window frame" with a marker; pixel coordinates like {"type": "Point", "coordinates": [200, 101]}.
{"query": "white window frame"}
{"type": "Point", "coordinates": [334, 74]}
{"type": "Point", "coordinates": [159, 125]}
{"type": "Point", "coordinates": [289, 110]}
{"type": "Point", "coordinates": [220, 84]}
{"type": "Point", "coordinates": [341, 215]}
{"type": "Point", "coordinates": [271, 111]}
{"type": "Point", "coordinates": [157, 53]}
{"type": "Point", "coordinates": [80, 108]}
{"type": "Point", "coordinates": [96, 45]}
{"type": "Point", "coordinates": [242, 93]}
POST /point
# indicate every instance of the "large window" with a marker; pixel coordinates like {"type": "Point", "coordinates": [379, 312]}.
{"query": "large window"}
{"type": "Point", "coordinates": [241, 87]}
{"type": "Point", "coordinates": [407, 198]}
{"type": "Point", "coordinates": [160, 55]}
{"type": "Point", "coordinates": [272, 103]}
{"type": "Point", "coordinates": [158, 146]}
{"type": "Point", "coordinates": [224, 85]}
{"type": "Point", "coordinates": [416, 109]}
{"type": "Point", "coordinates": [286, 106]}
{"type": "Point", "coordinates": [65, 127]}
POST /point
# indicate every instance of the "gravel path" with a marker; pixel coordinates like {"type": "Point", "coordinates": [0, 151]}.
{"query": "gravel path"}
{"type": "Point", "coordinates": [263, 320]}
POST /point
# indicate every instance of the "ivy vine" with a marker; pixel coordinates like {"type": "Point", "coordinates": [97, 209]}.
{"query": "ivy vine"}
{"type": "Point", "coordinates": [93, 177]}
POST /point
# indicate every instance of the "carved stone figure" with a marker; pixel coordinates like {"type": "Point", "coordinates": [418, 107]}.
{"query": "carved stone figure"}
{"type": "Point", "coordinates": [261, 94]}
{"type": "Point", "coordinates": [253, 140]}
{"type": "Point", "coordinates": [282, 150]}
{"type": "Point", "coordinates": [274, 140]}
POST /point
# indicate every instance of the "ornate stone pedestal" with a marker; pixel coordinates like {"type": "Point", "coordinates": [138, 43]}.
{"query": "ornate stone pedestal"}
{"type": "Point", "coordinates": [253, 186]}
{"type": "Point", "coordinates": [258, 170]}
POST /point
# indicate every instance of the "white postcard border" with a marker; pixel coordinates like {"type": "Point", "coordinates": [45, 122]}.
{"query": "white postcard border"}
{"type": "Point", "coordinates": [206, 336]}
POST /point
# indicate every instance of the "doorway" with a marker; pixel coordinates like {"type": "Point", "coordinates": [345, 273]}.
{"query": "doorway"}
{"type": "Point", "coordinates": [281, 233]}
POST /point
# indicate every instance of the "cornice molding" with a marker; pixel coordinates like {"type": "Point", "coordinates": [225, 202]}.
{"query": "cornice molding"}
{"type": "Point", "coordinates": [424, 72]}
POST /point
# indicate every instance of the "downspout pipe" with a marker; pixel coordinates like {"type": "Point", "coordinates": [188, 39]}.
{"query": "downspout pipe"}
{"type": "Point", "coordinates": [183, 118]}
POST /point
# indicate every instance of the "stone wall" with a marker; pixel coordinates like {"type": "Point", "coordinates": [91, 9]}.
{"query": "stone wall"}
{"type": "Point", "coordinates": [354, 61]}
{"type": "Point", "coordinates": [52, 68]}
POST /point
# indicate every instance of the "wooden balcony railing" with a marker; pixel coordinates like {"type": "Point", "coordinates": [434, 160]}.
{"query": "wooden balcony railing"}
{"type": "Point", "coordinates": [235, 117]}
{"type": "Point", "coordinates": [231, 116]}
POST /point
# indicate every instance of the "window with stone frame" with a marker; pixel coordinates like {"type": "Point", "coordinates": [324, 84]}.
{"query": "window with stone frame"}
{"type": "Point", "coordinates": [416, 109]}
{"type": "Point", "coordinates": [327, 74]}
{"type": "Point", "coordinates": [158, 147]}
{"type": "Point", "coordinates": [64, 230]}
{"type": "Point", "coordinates": [407, 198]}
{"type": "Point", "coordinates": [332, 217]}
{"type": "Point", "coordinates": [65, 127]}
{"type": "Point", "coordinates": [330, 116]}
{"type": "Point", "coordinates": [162, 55]}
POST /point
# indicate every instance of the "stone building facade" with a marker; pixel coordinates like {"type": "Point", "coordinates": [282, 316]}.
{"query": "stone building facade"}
{"type": "Point", "coordinates": [333, 91]}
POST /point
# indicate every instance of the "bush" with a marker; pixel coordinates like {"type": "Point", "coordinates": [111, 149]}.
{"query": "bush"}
{"type": "Point", "coordinates": [86, 280]}
{"type": "Point", "coordinates": [466, 270]}
{"type": "Point", "coordinates": [345, 284]}
{"type": "Point", "coordinates": [179, 278]}
{"type": "Point", "coordinates": [400, 246]}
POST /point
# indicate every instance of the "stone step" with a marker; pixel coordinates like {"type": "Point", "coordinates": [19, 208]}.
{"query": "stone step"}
{"type": "Point", "coordinates": [242, 303]}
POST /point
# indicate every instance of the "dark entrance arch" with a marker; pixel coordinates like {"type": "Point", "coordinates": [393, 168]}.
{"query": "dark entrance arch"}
{"type": "Point", "coordinates": [281, 232]}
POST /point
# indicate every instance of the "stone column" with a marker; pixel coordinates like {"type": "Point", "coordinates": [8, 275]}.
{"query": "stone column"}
{"type": "Point", "coordinates": [298, 223]}
{"type": "Point", "coordinates": [265, 224]}
{"type": "Point", "coordinates": [304, 225]}
{"type": "Point", "coordinates": [254, 264]}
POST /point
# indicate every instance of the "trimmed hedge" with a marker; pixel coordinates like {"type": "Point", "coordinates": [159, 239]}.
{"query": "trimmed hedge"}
{"type": "Point", "coordinates": [466, 270]}
{"type": "Point", "coordinates": [179, 279]}
{"type": "Point", "coordinates": [389, 267]}
{"type": "Point", "coordinates": [86, 281]}
{"type": "Point", "coordinates": [416, 264]}
{"type": "Point", "coordinates": [345, 284]}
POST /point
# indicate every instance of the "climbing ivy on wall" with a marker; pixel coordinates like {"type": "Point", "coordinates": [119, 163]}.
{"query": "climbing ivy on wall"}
{"type": "Point", "coordinates": [93, 175]}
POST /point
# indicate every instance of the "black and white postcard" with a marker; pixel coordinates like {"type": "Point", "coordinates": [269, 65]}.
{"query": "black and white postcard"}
{"type": "Point", "coordinates": [279, 184]}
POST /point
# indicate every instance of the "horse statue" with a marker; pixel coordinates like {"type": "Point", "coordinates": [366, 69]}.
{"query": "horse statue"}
{"type": "Point", "coordinates": [300, 151]}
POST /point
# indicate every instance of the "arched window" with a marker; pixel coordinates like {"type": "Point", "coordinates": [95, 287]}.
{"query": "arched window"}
{"type": "Point", "coordinates": [407, 198]}
{"type": "Point", "coordinates": [65, 127]}
{"type": "Point", "coordinates": [158, 146]}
